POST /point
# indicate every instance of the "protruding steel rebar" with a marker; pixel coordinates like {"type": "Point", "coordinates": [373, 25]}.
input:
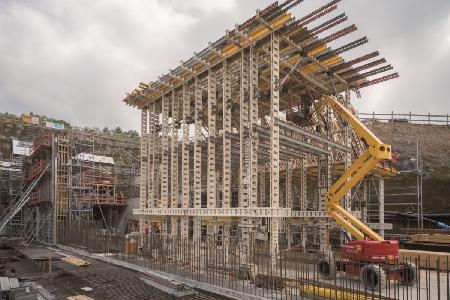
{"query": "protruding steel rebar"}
{"type": "Point", "coordinates": [354, 61]}
{"type": "Point", "coordinates": [378, 80]}
{"type": "Point", "coordinates": [363, 67]}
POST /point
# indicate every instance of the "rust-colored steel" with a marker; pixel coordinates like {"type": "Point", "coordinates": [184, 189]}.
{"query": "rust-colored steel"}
{"type": "Point", "coordinates": [379, 80]}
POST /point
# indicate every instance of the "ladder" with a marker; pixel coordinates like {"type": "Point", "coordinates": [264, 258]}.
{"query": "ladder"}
{"type": "Point", "coordinates": [16, 206]}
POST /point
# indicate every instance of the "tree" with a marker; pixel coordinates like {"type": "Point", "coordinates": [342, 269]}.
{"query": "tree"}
{"type": "Point", "coordinates": [118, 130]}
{"type": "Point", "coordinates": [132, 133]}
{"type": "Point", "coordinates": [106, 130]}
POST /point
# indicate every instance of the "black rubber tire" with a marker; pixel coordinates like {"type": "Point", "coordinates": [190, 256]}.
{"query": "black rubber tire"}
{"type": "Point", "coordinates": [373, 277]}
{"type": "Point", "coordinates": [408, 273]}
{"type": "Point", "coordinates": [326, 268]}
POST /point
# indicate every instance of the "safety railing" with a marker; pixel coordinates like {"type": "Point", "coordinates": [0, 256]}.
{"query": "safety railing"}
{"type": "Point", "coordinates": [427, 119]}
{"type": "Point", "coordinates": [250, 269]}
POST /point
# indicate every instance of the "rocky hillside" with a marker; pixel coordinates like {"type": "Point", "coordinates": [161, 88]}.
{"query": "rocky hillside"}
{"type": "Point", "coordinates": [124, 149]}
{"type": "Point", "coordinates": [434, 143]}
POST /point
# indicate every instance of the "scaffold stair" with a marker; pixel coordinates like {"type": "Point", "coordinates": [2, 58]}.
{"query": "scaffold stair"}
{"type": "Point", "coordinates": [16, 206]}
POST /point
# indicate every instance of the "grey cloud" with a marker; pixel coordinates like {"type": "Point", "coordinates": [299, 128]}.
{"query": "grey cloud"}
{"type": "Point", "coordinates": [76, 59]}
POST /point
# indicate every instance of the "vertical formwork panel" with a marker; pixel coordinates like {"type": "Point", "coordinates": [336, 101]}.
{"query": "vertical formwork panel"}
{"type": "Point", "coordinates": [197, 155]}
{"type": "Point", "coordinates": [149, 157]}
{"type": "Point", "coordinates": [347, 157]}
{"type": "Point", "coordinates": [381, 205]}
{"type": "Point", "coordinates": [348, 154]}
{"type": "Point", "coordinates": [244, 143]}
{"type": "Point", "coordinates": [211, 160]}
{"type": "Point", "coordinates": [165, 131]}
{"type": "Point", "coordinates": [262, 188]}
{"type": "Point", "coordinates": [227, 104]}
{"type": "Point", "coordinates": [253, 111]}
{"type": "Point", "coordinates": [324, 183]}
{"type": "Point", "coordinates": [226, 165]}
{"type": "Point", "coordinates": [364, 216]}
{"type": "Point", "coordinates": [62, 181]}
{"type": "Point", "coordinates": [185, 162]}
{"type": "Point", "coordinates": [174, 163]}
{"type": "Point", "coordinates": [211, 169]}
{"type": "Point", "coordinates": [153, 141]}
{"type": "Point", "coordinates": [289, 199]}
{"type": "Point", "coordinates": [144, 184]}
{"type": "Point", "coordinates": [144, 160]}
{"type": "Point", "coordinates": [274, 142]}
{"type": "Point", "coordinates": [303, 199]}
{"type": "Point", "coordinates": [252, 145]}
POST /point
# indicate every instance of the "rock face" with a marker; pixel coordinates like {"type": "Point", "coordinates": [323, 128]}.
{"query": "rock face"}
{"type": "Point", "coordinates": [125, 150]}
{"type": "Point", "coordinates": [434, 141]}
{"type": "Point", "coordinates": [12, 128]}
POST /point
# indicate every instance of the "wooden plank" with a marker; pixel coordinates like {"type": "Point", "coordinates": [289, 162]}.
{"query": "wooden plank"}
{"type": "Point", "coordinates": [431, 238]}
{"type": "Point", "coordinates": [426, 259]}
{"type": "Point", "coordinates": [426, 230]}
{"type": "Point", "coordinates": [76, 261]}
{"type": "Point", "coordinates": [79, 297]}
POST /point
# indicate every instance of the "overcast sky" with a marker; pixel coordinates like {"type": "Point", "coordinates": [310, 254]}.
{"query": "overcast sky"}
{"type": "Point", "coordinates": [75, 59]}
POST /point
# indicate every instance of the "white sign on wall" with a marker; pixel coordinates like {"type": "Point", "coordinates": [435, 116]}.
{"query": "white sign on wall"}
{"type": "Point", "coordinates": [21, 147]}
{"type": "Point", "coordinates": [95, 158]}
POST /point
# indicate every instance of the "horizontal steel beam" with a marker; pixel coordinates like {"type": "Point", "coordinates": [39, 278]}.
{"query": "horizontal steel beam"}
{"type": "Point", "coordinates": [238, 212]}
{"type": "Point", "coordinates": [260, 212]}
{"type": "Point", "coordinates": [291, 142]}
{"type": "Point", "coordinates": [311, 135]}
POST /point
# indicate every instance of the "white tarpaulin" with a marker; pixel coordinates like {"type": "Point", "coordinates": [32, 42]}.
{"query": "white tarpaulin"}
{"type": "Point", "coordinates": [95, 158]}
{"type": "Point", "coordinates": [21, 148]}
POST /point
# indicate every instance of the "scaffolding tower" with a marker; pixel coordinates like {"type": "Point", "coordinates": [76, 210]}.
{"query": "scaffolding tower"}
{"type": "Point", "coordinates": [235, 143]}
{"type": "Point", "coordinates": [94, 183]}
{"type": "Point", "coordinates": [12, 181]}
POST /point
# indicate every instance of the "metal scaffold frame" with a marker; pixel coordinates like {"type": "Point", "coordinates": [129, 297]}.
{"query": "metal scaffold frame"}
{"type": "Point", "coordinates": [62, 180]}
{"type": "Point", "coordinates": [238, 140]}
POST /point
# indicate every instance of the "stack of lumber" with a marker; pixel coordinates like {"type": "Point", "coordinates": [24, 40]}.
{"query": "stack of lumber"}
{"type": "Point", "coordinates": [75, 261]}
{"type": "Point", "coordinates": [431, 238]}
{"type": "Point", "coordinates": [426, 259]}
{"type": "Point", "coordinates": [426, 230]}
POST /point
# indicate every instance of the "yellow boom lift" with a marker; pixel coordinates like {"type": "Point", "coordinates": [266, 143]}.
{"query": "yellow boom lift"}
{"type": "Point", "coordinates": [369, 256]}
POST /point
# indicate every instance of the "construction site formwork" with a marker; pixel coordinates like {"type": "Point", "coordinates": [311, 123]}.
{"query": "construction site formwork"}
{"type": "Point", "coordinates": [94, 183]}
{"type": "Point", "coordinates": [236, 143]}
{"type": "Point", "coordinates": [47, 179]}
{"type": "Point", "coordinates": [59, 180]}
{"type": "Point", "coordinates": [12, 180]}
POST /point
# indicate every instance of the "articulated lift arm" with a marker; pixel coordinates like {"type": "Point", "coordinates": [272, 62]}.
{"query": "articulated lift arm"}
{"type": "Point", "coordinates": [374, 152]}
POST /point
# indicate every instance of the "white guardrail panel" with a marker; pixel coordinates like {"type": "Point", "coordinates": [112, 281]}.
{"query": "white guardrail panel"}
{"type": "Point", "coordinates": [237, 212]}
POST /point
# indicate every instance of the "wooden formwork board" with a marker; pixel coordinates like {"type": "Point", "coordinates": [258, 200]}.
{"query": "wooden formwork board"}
{"type": "Point", "coordinates": [431, 238]}
{"type": "Point", "coordinates": [426, 259]}
{"type": "Point", "coordinates": [79, 297]}
{"type": "Point", "coordinates": [76, 261]}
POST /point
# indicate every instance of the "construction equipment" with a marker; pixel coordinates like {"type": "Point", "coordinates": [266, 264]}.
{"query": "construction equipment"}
{"type": "Point", "coordinates": [369, 256]}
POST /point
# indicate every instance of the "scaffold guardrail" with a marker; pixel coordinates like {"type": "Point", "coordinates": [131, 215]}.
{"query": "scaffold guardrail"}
{"type": "Point", "coordinates": [426, 119]}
